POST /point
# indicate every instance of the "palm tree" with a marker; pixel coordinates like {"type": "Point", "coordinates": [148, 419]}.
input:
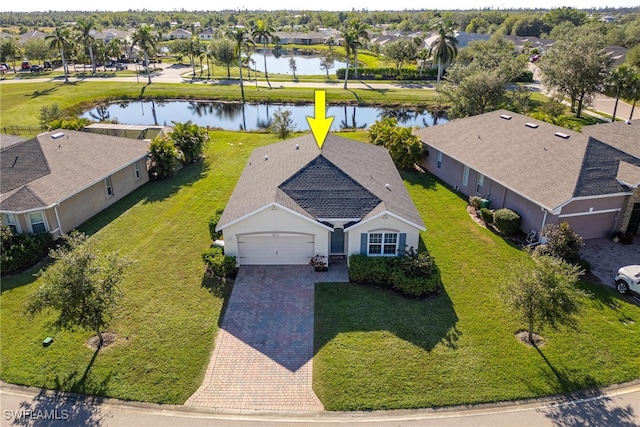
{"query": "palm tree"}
{"type": "Point", "coordinates": [146, 40]}
{"type": "Point", "coordinates": [210, 52]}
{"type": "Point", "coordinates": [61, 39]}
{"type": "Point", "coordinates": [618, 82]}
{"type": "Point", "coordinates": [632, 92]}
{"type": "Point", "coordinates": [359, 29]}
{"type": "Point", "coordinates": [84, 27]}
{"type": "Point", "coordinates": [240, 36]}
{"type": "Point", "coordinates": [445, 47]}
{"type": "Point", "coordinates": [350, 40]}
{"type": "Point", "coordinates": [261, 34]}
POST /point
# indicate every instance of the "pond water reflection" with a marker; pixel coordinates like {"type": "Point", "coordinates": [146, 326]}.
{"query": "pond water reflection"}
{"type": "Point", "coordinates": [237, 116]}
{"type": "Point", "coordinates": [279, 63]}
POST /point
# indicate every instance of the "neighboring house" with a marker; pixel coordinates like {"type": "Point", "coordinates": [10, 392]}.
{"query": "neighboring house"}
{"type": "Point", "coordinates": [546, 173]}
{"type": "Point", "coordinates": [23, 38]}
{"type": "Point", "coordinates": [57, 180]}
{"type": "Point", "coordinates": [7, 140]}
{"type": "Point", "coordinates": [294, 201]}
{"type": "Point", "coordinates": [178, 34]}
{"type": "Point", "coordinates": [112, 33]}
{"type": "Point", "coordinates": [317, 37]}
{"type": "Point", "coordinates": [206, 34]}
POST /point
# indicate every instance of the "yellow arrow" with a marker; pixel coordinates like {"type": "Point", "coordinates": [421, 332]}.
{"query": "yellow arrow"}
{"type": "Point", "coordinates": [320, 124]}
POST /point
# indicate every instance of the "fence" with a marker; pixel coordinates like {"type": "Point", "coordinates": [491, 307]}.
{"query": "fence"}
{"type": "Point", "coordinates": [21, 130]}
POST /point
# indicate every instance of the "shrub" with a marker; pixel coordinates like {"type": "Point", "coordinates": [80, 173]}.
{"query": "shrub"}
{"type": "Point", "coordinates": [190, 139]}
{"type": "Point", "coordinates": [507, 221]}
{"type": "Point", "coordinates": [164, 157]}
{"type": "Point", "coordinates": [21, 251]}
{"type": "Point", "coordinates": [282, 125]}
{"type": "Point", "coordinates": [218, 264]}
{"type": "Point", "coordinates": [411, 274]}
{"type": "Point", "coordinates": [389, 73]}
{"type": "Point", "coordinates": [213, 223]}
{"type": "Point", "coordinates": [475, 202]}
{"type": "Point", "coordinates": [486, 215]}
{"type": "Point", "coordinates": [77, 123]}
{"type": "Point", "coordinates": [562, 242]}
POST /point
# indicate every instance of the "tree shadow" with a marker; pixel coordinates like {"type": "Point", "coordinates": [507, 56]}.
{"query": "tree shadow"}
{"type": "Point", "coordinates": [424, 180]}
{"type": "Point", "coordinates": [347, 307]}
{"type": "Point", "coordinates": [50, 408]}
{"type": "Point", "coordinates": [45, 92]}
{"type": "Point", "coordinates": [151, 192]}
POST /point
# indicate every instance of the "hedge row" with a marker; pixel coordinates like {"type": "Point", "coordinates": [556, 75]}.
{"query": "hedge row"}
{"type": "Point", "coordinates": [21, 251]}
{"type": "Point", "coordinates": [389, 74]}
{"type": "Point", "coordinates": [410, 274]}
{"type": "Point", "coordinates": [218, 264]}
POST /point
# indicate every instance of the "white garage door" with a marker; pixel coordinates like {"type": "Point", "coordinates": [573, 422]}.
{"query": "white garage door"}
{"type": "Point", "coordinates": [278, 249]}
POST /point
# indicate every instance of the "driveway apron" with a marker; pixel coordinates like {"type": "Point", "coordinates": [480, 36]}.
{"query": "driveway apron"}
{"type": "Point", "coordinates": [263, 355]}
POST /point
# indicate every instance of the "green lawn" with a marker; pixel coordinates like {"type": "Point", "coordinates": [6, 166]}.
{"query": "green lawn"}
{"type": "Point", "coordinates": [167, 319]}
{"type": "Point", "coordinates": [377, 350]}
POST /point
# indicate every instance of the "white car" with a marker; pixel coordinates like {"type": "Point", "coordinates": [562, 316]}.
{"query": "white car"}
{"type": "Point", "coordinates": [628, 279]}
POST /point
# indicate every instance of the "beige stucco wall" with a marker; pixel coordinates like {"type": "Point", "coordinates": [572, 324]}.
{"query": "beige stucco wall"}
{"type": "Point", "coordinates": [80, 207]}
{"type": "Point", "coordinates": [275, 220]}
{"type": "Point", "coordinates": [382, 223]}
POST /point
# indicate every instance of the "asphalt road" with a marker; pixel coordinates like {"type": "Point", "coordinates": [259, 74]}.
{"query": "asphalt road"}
{"type": "Point", "coordinates": [615, 407]}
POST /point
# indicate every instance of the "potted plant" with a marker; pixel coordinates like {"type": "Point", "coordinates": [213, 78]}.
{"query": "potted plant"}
{"type": "Point", "coordinates": [318, 262]}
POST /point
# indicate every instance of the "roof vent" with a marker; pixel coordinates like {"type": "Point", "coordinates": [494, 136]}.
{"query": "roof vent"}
{"type": "Point", "coordinates": [57, 135]}
{"type": "Point", "coordinates": [505, 116]}
{"type": "Point", "coordinates": [387, 186]}
{"type": "Point", "coordinates": [266, 158]}
{"type": "Point", "coordinates": [297, 147]}
{"type": "Point", "coordinates": [531, 125]}
{"type": "Point", "coordinates": [562, 135]}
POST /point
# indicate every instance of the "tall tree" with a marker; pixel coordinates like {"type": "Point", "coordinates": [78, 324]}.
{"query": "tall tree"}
{"type": "Point", "coordinates": [545, 294]}
{"type": "Point", "coordinates": [9, 51]}
{"type": "Point", "coordinates": [82, 285]}
{"type": "Point", "coordinates": [577, 68]}
{"type": "Point", "coordinates": [262, 32]}
{"type": "Point", "coordinates": [224, 53]}
{"type": "Point", "coordinates": [632, 94]}
{"type": "Point", "coordinates": [84, 36]}
{"type": "Point", "coordinates": [146, 40]}
{"type": "Point", "coordinates": [60, 39]}
{"type": "Point", "coordinates": [350, 42]}
{"type": "Point", "coordinates": [399, 52]}
{"type": "Point", "coordinates": [445, 47]}
{"type": "Point", "coordinates": [293, 66]}
{"type": "Point", "coordinates": [359, 30]}
{"type": "Point", "coordinates": [327, 62]}
{"type": "Point", "coordinates": [240, 36]}
{"type": "Point", "coordinates": [617, 84]}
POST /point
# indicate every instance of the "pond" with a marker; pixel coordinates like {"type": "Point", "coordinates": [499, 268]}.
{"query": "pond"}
{"type": "Point", "coordinates": [236, 116]}
{"type": "Point", "coordinates": [279, 63]}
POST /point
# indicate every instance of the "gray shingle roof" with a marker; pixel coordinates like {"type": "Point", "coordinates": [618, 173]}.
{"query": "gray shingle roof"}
{"type": "Point", "coordinates": [275, 170]}
{"type": "Point", "coordinates": [325, 191]}
{"type": "Point", "coordinates": [533, 161]}
{"type": "Point", "coordinates": [621, 135]}
{"type": "Point", "coordinates": [54, 169]}
{"type": "Point", "coordinates": [628, 174]}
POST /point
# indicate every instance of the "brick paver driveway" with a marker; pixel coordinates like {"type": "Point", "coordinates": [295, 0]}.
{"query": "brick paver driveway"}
{"type": "Point", "coordinates": [262, 358]}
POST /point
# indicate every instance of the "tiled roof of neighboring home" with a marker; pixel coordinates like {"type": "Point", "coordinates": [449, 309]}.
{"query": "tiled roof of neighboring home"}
{"type": "Point", "coordinates": [54, 169]}
{"type": "Point", "coordinates": [365, 168]}
{"type": "Point", "coordinates": [533, 162]}
{"type": "Point", "coordinates": [7, 140]}
{"type": "Point", "coordinates": [600, 169]}
{"type": "Point", "coordinates": [625, 136]}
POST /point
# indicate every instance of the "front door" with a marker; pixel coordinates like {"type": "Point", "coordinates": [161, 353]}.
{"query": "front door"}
{"type": "Point", "coordinates": [337, 241]}
{"type": "Point", "coordinates": [634, 221]}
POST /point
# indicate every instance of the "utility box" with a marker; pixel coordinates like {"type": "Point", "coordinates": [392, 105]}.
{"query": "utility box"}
{"type": "Point", "coordinates": [484, 203]}
{"type": "Point", "coordinates": [47, 342]}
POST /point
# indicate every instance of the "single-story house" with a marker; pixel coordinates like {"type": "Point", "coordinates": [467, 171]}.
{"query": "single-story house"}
{"type": "Point", "coordinates": [545, 173]}
{"type": "Point", "coordinates": [57, 180]}
{"type": "Point", "coordinates": [178, 34]}
{"type": "Point", "coordinates": [294, 201]}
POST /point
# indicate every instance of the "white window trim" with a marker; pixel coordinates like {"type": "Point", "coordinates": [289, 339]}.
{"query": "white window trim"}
{"type": "Point", "coordinates": [465, 176]}
{"type": "Point", "coordinates": [44, 220]}
{"type": "Point", "coordinates": [137, 173]}
{"type": "Point", "coordinates": [480, 183]}
{"type": "Point", "coordinates": [12, 220]}
{"type": "Point", "coordinates": [382, 243]}
{"type": "Point", "coordinates": [439, 160]}
{"type": "Point", "coordinates": [108, 187]}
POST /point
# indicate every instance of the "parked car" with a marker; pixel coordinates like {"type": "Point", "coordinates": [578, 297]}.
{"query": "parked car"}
{"type": "Point", "coordinates": [121, 66]}
{"type": "Point", "coordinates": [47, 65]}
{"type": "Point", "coordinates": [628, 279]}
{"type": "Point", "coordinates": [36, 69]}
{"type": "Point", "coordinates": [26, 65]}
{"type": "Point", "coordinates": [4, 68]}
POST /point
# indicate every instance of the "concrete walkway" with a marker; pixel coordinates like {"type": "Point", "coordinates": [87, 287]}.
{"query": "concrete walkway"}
{"type": "Point", "coordinates": [263, 355]}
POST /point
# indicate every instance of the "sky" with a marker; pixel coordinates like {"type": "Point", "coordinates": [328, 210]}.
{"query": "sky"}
{"type": "Point", "coordinates": [168, 5]}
